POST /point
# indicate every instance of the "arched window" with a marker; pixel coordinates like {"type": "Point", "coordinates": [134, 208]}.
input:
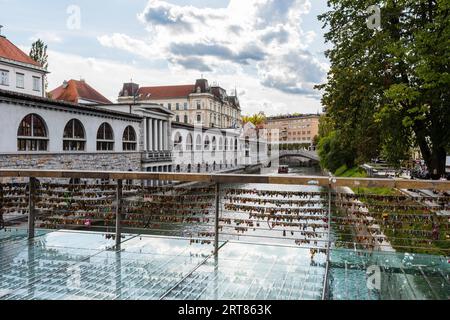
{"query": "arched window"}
{"type": "Point", "coordinates": [74, 138]}
{"type": "Point", "coordinates": [214, 146]}
{"type": "Point", "coordinates": [105, 138]}
{"type": "Point", "coordinates": [189, 143]}
{"type": "Point", "coordinates": [207, 143]}
{"type": "Point", "coordinates": [129, 139]}
{"type": "Point", "coordinates": [178, 142]}
{"type": "Point", "coordinates": [186, 120]}
{"type": "Point", "coordinates": [189, 168]}
{"type": "Point", "coordinates": [32, 134]}
{"type": "Point", "coordinates": [199, 143]}
{"type": "Point", "coordinates": [199, 168]}
{"type": "Point", "coordinates": [226, 144]}
{"type": "Point", "coordinates": [177, 118]}
{"type": "Point", "coordinates": [220, 144]}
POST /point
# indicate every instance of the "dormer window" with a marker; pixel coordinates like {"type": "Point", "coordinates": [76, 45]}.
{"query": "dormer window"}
{"type": "Point", "coordinates": [199, 90]}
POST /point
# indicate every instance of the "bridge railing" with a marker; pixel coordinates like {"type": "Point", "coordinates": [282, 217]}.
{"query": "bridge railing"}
{"type": "Point", "coordinates": [317, 213]}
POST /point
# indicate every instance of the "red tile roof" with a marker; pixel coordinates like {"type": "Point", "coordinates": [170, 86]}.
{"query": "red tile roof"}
{"type": "Point", "coordinates": [76, 90]}
{"type": "Point", "coordinates": [165, 92]}
{"type": "Point", "coordinates": [9, 51]}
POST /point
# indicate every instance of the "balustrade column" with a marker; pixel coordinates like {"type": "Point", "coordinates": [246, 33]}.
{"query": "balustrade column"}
{"type": "Point", "coordinates": [155, 135]}
{"type": "Point", "coordinates": [160, 135]}
{"type": "Point", "coordinates": [149, 134]}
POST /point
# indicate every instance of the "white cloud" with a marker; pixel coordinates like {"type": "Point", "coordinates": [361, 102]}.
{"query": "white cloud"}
{"type": "Point", "coordinates": [107, 77]}
{"type": "Point", "coordinates": [47, 37]}
{"type": "Point", "coordinates": [263, 34]}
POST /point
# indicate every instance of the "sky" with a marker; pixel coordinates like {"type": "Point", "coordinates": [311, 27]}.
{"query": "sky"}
{"type": "Point", "coordinates": [270, 51]}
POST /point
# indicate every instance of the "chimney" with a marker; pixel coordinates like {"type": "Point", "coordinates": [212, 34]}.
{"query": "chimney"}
{"type": "Point", "coordinates": [65, 84]}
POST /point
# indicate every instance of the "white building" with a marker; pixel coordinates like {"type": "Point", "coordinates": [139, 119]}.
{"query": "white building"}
{"type": "Point", "coordinates": [156, 147]}
{"type": "Point", "coordinates": [18, 72]}
{"type": "Point", "coordinates": [197, 149]}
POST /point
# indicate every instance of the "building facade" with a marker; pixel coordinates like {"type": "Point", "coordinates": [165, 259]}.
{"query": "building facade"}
{"type": "Point", "coordinates": [196, 104]}
{"type": "Point", "coordinates": [18, 72]}
{"type": "Point", "coordinates": [40, 133]}
{"type": "Point", "coordinates": [197, 149]}
{"type": "Point", "coordinates": [292, 129]}
{"type": "Point", "coordinates": [155, 134]}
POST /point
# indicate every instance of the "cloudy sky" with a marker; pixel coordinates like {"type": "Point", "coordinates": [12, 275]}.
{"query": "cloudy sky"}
{"type": "Point", "coordinates": [270, 50]}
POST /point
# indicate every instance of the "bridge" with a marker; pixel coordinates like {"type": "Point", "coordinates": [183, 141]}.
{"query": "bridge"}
{"type": "Point", "coordinates": [311, 155]}
{"type": "Point", "coordinates": [211, 227]}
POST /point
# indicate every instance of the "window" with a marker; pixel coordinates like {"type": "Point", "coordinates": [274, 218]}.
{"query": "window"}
{"type": "Point", "coordinates": [178, 142]}
{"type": "Point", "coordinates": [74, 138]}
{"type": "Point", "coordinates": [199, 118]}
{"type": "Point", "coordinates": [129, 141]}
{"type": "Point", "coordinates": [20, 80]}
{"type": "Point", "coordinates": [169, 106]}
{"type": "Point", "coordinates": [186, 119]}
{"type": "Point", "coordinates": [198, 143]}
{"type": "Point", "coordinates": [198, 105]}
{"type": "Point", "coordinates": [4, 78]}
{"type": "Point", "coordinates": [36, 84]}
{"type": "Point", "coordinates": [32, 134]}
{"type": "Point", "coordinates": [207, 143]}
{"type": "Point", "coordinates": [105, 138]}
{"type": "Point", "coordinates": [186, 106]}
{"type": "Point", "coordinates": [178, 106]}
{"type": "Point", "coordinates": [177, 118]}
{"type": "Point", "coordinates": [189, 143]}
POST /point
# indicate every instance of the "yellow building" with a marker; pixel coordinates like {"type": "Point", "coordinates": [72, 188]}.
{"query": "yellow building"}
{"type": "Point", "coordinates": [292, 129]}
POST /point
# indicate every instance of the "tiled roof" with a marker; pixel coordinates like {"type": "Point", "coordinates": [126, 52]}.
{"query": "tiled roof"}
{"type": "Point", "coordinates": [75, 91]}
{"type": "Point", "coordinates": [165, 92]}
{"type": "Point", "coordinates": [11, 96]}
{"type": "Point", "coordinates": [9, 51]}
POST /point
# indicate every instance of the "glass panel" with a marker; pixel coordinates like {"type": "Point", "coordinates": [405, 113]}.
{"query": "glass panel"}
{"type": "Point", "coordinates": [78, 130]}
{"type": "Point", "coordinates": [38, 127]}
{"type": "Point", "coordinates": [68, 130]}
{"type": "Point", "coordinates": [25, 127]}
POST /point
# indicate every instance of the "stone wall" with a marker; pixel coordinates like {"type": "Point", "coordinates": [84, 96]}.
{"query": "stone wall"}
{"type": "Point", "coordinates": [73, 161]}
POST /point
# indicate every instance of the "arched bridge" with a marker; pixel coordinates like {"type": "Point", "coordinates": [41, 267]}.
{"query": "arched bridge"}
{"type": "Point", "coordinates": [312, 155]}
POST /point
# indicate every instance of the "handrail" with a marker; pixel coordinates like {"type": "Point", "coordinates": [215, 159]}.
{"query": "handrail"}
{"type": "Point", "coordinates": [231, 178]}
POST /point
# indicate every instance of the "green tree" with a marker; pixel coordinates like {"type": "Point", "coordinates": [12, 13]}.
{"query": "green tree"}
{"type": "Point", "coordinates": [387, 89]}
{"type": "Point", "coordinates": [39, 54]}
{"type": "Point", "coordinates": [257, 119]}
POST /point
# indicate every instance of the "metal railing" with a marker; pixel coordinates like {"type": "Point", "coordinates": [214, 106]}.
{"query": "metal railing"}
{"type": "Point", "coordinates": [128, 204]}
{"type": "Point", "coordinates": [157, 156]}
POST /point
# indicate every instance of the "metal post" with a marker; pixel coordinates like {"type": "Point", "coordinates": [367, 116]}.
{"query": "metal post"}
{"type": "Point", "coordinates": [216, 221]}
{"type": "Point", "coordinates": [118, 213]}
{"type": "Point", "coordinates": [327, 268]}
{"type": "Point", "coordinates": [31, 207]}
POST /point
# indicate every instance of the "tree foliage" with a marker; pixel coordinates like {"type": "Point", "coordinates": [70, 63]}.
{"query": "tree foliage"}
{"type": "Point", "coordinates": [39, 54]}
{"type": "Point", "coordinates": [388, 89]}
{"type": "Point", "coordinates": [257, 119]}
